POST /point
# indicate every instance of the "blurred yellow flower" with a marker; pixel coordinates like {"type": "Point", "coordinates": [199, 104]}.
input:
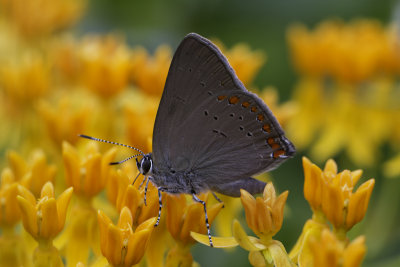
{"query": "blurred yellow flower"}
{"type": "Point", "coordinates": [344, 117]}
{"type": "Point", "coordinates": [283, 112]}
{"type": "Point", "coordinates": [65, 120]}
{"type": "Point", "coordinates": [332, 193]}
{"type": "Point", "coordinates": [33, 173]}
{"type": "Point", "coordinates": [45, 218]}
{"type": "Point", "coordinates": [25, 79]}
{"type": "Point", "coordinates": [34, 18]}
{"type": "Point", "coordinates": [139, 115]}
{"type": "Point", "coordinates": [87, 175]}
{"type": "Point", "coordinates": [150, 72]}
{"type": "Point", "coordinates": [105, 65]}
{"type": "Point", "coordinates": [120, 244]}
{"type": "Point", "coordinates": [9, 190]}
{"type": "Point", "coordinates": [244, 61]}
{"type": "Point", "coordinates": [328, 251]}
{"type": "Point", "coordinates": [351, 52]}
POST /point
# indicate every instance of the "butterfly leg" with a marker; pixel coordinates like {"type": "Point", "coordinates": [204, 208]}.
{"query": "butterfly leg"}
{"type": "Point", "coordinates": [145, 190]}
{"type": "Point", "coordinates": [159, 189]}
{"type": "Point", "coordinates": [218, 199]}
{"type": "Point", "coordinates": [195, 198]}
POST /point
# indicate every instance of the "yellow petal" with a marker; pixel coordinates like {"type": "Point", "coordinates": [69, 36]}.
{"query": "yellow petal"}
{"type": "Point", "coordinates": [47, 190]}
{"type": "Point", "coordinates": [114, 245]}
{"type": "Point", "coordinates": [218, 242]}
{"type": "Point", "coordinates": [279, 255]}
{"type": "Point", "coordinates": [312, 184]}
{"type": "Point", "coordinates": [148, 224]}
{"type": "Point", "coordinates": [49, 222]}
{"type": "Point", "coordinates": [125, 219]}
{"type": "Point", "coordinates": [104, 222]}
{"type": "Point", "coordinates": [358, 203]}
{"type": "Point", "coordinates": [250, 244]}
{"type": "Point", "coordinates": [72, 166]}
{"type": "Point", "coordinates": [330, 166]}
{"type": "Point", "coordinates": [62, 205]}
{"type": "Point", "coordinates": [29, 217]}
{"type": "Point", "coordinates": [137, 245]}
{"type": "Point", "coordinates": [249, 204]}
{"type": "Point", "coordinates": [192, 222]}
{"type": "Point", "coordinates": [256, 259]}
{"type": "Point", "coordinates": [175, 210]}
{"type": "Point", "coordinates": [277, 211]}
{"type": "Point", "coordinates": [355, 252]}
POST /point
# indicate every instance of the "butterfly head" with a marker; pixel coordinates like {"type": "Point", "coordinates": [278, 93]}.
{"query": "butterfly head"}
{"type": "Point", "coordinates": [145, 165]}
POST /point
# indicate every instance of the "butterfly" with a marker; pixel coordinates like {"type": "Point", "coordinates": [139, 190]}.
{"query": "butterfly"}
{"type": "Point", "coordinates": [210, 132]}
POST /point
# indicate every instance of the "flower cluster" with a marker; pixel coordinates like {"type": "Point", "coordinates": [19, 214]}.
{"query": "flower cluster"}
{"type": "Point", "coordinates": [347, 97]}
{"type": "Point", "coordinates": [64, 205]}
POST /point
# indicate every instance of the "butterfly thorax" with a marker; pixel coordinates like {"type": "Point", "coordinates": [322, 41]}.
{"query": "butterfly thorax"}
{"type": "Point", "coordinates": [176, 182]}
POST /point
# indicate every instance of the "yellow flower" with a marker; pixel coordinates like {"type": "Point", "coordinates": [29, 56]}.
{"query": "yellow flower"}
{"type": "Point", "coordinates": [105, 65]}
{"type": "Point", "coordinates": [330, 252]}
{"type": "Point", "coordinates": [332, 193]}
{"type": "Point", "coordinates": [150, 72]}
{"type": "Point", "coordinates": [64, 121]}
{"type": "Point", "coordinates": [264, 215]}
{"type": "Point", "coordinates": [30, 21]}
{"type": "Point", "coordinates": [34, 173]}
{"type": "Point", "coordinates": [120, 244]}
{"type": "Point", "coordinates": [87, 175]}
{"type": "Point", "coordinates": [44, 219]}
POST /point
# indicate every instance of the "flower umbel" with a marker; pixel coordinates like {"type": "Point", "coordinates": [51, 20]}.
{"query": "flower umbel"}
{"type": "Point", "coordinates": [332, 193]}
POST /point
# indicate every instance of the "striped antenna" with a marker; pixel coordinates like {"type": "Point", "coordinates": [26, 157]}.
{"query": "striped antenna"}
{"type": "Point", "coordinates": [122, 161]}
{"type": "Point", "coordinates": [114, 143]}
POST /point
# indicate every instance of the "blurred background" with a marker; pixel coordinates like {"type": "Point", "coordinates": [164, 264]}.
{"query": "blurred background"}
{"type": "Point", "coordinates": [328, 69]}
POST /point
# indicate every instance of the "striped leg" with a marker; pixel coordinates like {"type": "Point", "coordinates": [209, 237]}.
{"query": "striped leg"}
{"type": "Point", "coordinates": [195, 198]}
{"type": "Point", "coordinates": [145, 192]}
{"type": "Point", "coordinates": [159, 206]}
{"type": "Point", "coordinates": [218, 199]}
